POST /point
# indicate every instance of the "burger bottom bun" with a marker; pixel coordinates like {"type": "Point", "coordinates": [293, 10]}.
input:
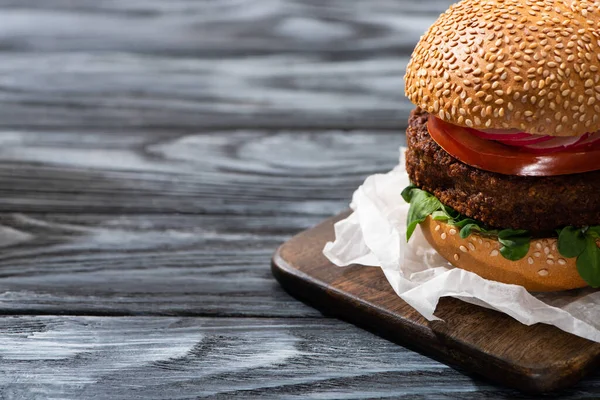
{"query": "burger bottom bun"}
{"type": "Point", "coordinates": [543, 269]}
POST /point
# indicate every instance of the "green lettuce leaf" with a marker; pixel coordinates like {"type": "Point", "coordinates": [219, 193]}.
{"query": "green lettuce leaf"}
{"type": "Point", "coordinates": [588, 263]}
{"type": "Point", "coordinates": [422, 205]}
{"type": "Point", "coordinates": [571, 242]}
{"type": "Point", "coordinates": [515, 244]}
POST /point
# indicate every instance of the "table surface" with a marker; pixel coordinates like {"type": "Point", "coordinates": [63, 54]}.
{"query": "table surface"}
{"type": "Point", "coordinates": [154, 154]}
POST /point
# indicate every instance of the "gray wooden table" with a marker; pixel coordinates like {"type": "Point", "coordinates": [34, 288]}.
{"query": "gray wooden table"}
{"type": "Point", "coordinates": [153, 154]}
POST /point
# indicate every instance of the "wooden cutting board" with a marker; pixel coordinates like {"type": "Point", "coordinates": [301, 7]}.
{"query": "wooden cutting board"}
{"type": "Point", "coordinates": [533, 359]}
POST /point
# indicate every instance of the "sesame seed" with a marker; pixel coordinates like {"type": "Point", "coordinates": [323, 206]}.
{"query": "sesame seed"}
{"type": "Point", "coordinates": [509, 58]}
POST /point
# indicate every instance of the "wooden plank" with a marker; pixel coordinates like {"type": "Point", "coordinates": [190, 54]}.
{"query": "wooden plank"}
{"type": "Point", "coordinates": [216, 28]}
{"type": "Point", "coordinates": [144, 265]}
{"type": "Point", "coordinates": [152, 358]}
{"type": "Point", "coordinates": [538, 358]}
{"type": "Point", "coordinates": [187, 64]}
{"type": "Point", "coordinates": [245, 172]}
{"type": "Point", "coordinates": [108, 91]}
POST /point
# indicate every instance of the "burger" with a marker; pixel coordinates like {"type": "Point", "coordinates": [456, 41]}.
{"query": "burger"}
{"type": "Point", "coordinates": [504, 143]}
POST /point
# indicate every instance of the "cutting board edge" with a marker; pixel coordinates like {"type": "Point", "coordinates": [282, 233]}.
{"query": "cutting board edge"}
{"type": "Point", "coordinates": [421, 338]}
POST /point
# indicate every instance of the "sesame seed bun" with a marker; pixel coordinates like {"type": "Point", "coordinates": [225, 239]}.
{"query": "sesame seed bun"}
{"type": "Point", "coordinates": [543, 269]}
{"type": "Point", "coordinates": [512, 64]}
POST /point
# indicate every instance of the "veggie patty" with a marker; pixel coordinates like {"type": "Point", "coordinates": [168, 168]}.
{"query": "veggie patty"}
{"type": "Point", "coordinates": [537, 204]}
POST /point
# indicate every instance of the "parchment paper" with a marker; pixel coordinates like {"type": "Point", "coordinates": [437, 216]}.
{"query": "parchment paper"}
{"type": "Point", "coordinates": [374, 235]}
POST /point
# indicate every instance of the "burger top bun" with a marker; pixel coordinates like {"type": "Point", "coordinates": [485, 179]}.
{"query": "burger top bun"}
{"type": "Point", "coordinates": [511, 64]}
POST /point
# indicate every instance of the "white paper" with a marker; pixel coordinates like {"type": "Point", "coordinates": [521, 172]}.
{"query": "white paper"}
{"type": "Point", "coordinates": [374, 235]}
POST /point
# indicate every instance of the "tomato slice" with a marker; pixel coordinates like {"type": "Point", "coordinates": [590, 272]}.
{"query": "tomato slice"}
{"type": "Point", "coordinates": [496, 157]}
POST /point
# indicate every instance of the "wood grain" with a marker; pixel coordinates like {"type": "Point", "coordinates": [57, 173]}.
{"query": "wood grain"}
{"type": "Point", "coordinates": [183, 358]}
{"type": "Point", "coordinates": [152, 156]}
{"type": "Point", "coordinates": [190, 64]}
{"type": "Point", "coordinates": [536, 359]}
{"type": "Point", "coordinates": [144, 265]}
{"type": "Point", "coordinates": [217, 172]}
{"type": "Point", "coordinates": [111, 91]}
{"type": "Point", "coordinates": [208, 28]}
